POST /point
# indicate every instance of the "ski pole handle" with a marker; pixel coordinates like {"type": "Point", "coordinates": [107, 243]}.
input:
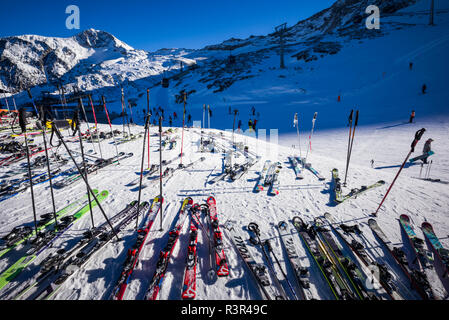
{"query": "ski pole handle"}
{"type": "Point", "coordinates": [418, 136]}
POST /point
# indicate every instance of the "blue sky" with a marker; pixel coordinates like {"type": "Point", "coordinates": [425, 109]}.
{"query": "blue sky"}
{"type": "Point", "coordinates": [151, 24]}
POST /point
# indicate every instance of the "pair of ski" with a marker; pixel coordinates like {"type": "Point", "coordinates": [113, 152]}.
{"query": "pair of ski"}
{"type": "Point", "coordinates": [328, 268]}
{"type": "Point", "coordinates": [269, 176]}
{"type": "Point", "coordinates": [169, 172]}
{"type": "Point", "coordinates": [128, 138]}
{"type": "Point", "coordinates": [301, 162]}
{"type": "Point", "coordinates": [354, 193]}
{"type": "Point", "coordinates": [355, 280]}
{"type": "Point", "coordinates": [215, 242]}
{"type": "Point", "coordinates": [57, 268]}
{"type": "Point", "coordinates": [132, 259]}
{"type": "Point", "coordinates": [15, 189]}
{"type": "Point", "coordinates": [267, 289]}
{"type": "Point", "coordinates": [99, 164]}
{"type": "Point", "coordinates": [417, 276]}
{"type": "Point", "coordinates": [153, 169]}
{"type": "Point", "coordinates": [382, 278]}
{"type": "Point", "coordinates": [45, 238]}
{"type": "Point", "coordinates": [242, 169]}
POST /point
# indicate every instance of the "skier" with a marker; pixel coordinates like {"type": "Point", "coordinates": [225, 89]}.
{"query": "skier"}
{"type": "Point", "coordinates": [250, 124]}
{"type": "Point", "coordinates": [210, 112]}
{"type": "Point", "coordinates": [427, 148]}
{"type": "Point", "coordinates": [410, 65]}
{"type": "Point", "coordinates": [170, 121]}
{"type": "Point", "coordinates": [189, 119]}
{"type": "Point", "coordinates": [412, 116]}
{"type": "Point", "coordinates": [175, 116]}
{"type": "Point", "coordinates": [253, 111]}
{"type": "Point", "coordinates": [424, 88]}
{"type": "Point", "coordinates": [372, 163]}
{"type": "Point", "coordinates": [255, 124]}
{"type": "Point", "coordinates": [240, 125]}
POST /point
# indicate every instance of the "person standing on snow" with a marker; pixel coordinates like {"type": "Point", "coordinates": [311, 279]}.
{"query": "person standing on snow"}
{"type": "Point", "coordinates": [427, 148]}
{"type": "Point", "coordinates": [412, 116]}
{"type": "Point", "coordinates": [250, 124]}
{"type": "Point", "coordinates": [424, 88]}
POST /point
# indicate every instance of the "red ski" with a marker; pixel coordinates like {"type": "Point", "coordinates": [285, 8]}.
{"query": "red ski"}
{"type": "Point", "coordinates": [134, 252]}
{"type": "Point", "coordinates": [220, 257]}
{"type": "Point", "coordinates": [189, 288]}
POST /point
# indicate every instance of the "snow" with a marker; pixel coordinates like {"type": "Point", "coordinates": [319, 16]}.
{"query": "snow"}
{"type": "Point", "coordinates": [371, 75]}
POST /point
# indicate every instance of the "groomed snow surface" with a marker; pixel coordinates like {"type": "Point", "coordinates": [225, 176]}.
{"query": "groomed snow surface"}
{"type": "Point", "coordinates": [387, 144]}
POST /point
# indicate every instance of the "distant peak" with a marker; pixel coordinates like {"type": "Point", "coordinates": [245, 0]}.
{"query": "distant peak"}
{"type": "Point", "coordinates": [99, 39]}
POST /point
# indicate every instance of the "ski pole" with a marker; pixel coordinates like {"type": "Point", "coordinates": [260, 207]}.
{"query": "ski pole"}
{"type": "Point", "coordinates": [44, 137]}
{"type": "Point", "coordinates": [418, 136]}
{"type": "Point", "coordinates": [149, 114]}
{"type": "Point", "coordinates": [110, 126]}
{"type": "Point", "coordinates": [96, 124]}
{"type": "Point", "coordinates": [310, 139]}
{"type": "Point", "coordinates": [22, 122]}
{"type": "Point", "coordinates": [87, 122]}
{"type": "Point", "coordinates": [420, 171]}
{"type": "Point", "coordinates": [83, 159]}
{"type": "Point", "coordinates": [296, 124]}
{"type": "Point", "coordinates": [428, 171]}
{"type": "Point", "coordinates": [123, 113]}
{"type": "Point", "coordinates": [58, 134]}
{"type": "Point", "coordinates": [351, 143]}
{"type": "Point", "coordinates": [160, 166]}
{"type": "Point", "coordinates": [147, 119]}
{"type": "Point", "coordinates": [183, 123]}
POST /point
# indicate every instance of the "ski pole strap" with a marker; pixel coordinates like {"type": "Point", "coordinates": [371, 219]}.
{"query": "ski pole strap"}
{"type": "Point", "coordinates": [418, 136]}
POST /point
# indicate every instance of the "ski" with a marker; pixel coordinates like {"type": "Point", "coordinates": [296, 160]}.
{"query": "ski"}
{"type": "Point", "coordinates": [302, 274]}
{"type": "Point", "coordinates": [317, 252]}
{"type": "Point", "coordinates": [309, 167]}
{"type": "Point", "coordinates": [165, 254]}
{"type": "Point", "coordinates": [99, 164]}
{"type": "Point", "coordinates": [296, 167]}
{"type": "Point", "coordinates": [349, 274]}
{"type": "Point", "coordinates": [337, 186]}
{"type": "Point", "coordinates": [421, 157]}
{"type": "Point", "coordinates": [242, 169]}
{"type": "Point", "coordinates": [221, 263]}
{"type": "Point", "coordinates": [44, 240]}
{"type": "Point", "coordinates": [258, 270]}
{"type": "Point", "coordinates": [262, 174]}
{"type": "Point", "coordinates": [54, 266]}
{"type": "Point", "coordinates": [189, 283]}
{"type": "Point", "coordinates": [21, 234]}
{"type": "Point", "coordinates": [348, 235]}
{"type": "Point", "coordinates": [424, 256]}
{"type": "Point", "coordinates": [270, 174]}
{"type": "Point", "coordinates": [356, 192]}
{"type": "Point", "coordinates": [94, 242]}
{"type": "Point", "coordinates": [417, 278]}
{"type": "Point", "coordinates": [274, 185]}
{"type": "Point", "coordinates": [133, 253]}
{"type": "Point", "coordinates": [254, 229]}
{"type": "Point", "coordinates": [439, 251]}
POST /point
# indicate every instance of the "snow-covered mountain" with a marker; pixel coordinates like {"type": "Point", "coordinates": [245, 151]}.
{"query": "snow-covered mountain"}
{"type": "Point", "coordinates": [96, 59]}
